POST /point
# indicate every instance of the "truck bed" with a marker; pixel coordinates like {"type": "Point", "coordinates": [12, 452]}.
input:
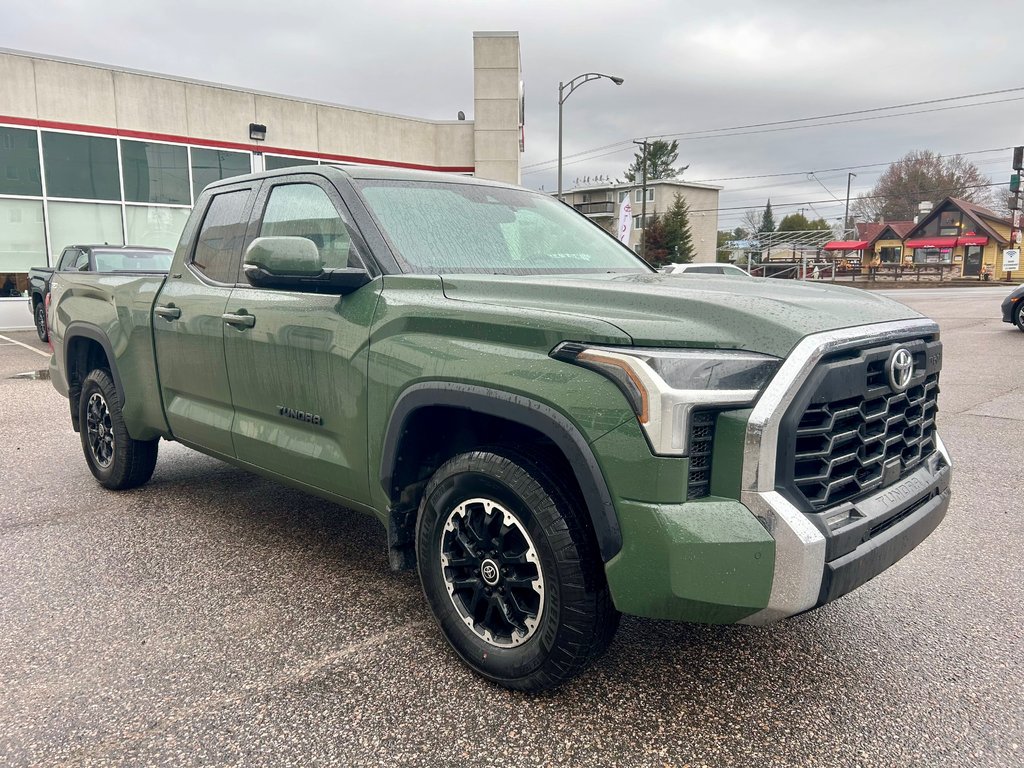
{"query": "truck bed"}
{"type": "Point", "coordinates": [114, 310]}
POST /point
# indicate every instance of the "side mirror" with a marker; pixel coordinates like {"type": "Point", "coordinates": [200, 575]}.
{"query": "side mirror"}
{"type": "Point", "coordinates": [293, 264]}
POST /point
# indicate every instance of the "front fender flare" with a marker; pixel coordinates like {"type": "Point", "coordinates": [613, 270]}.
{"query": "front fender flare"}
{"type": "Point", "coordinates": [530, 413]}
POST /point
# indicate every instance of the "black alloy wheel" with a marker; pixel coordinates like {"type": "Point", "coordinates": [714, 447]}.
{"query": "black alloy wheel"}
{"type": "Point", "coordinates": [115, 459]}
{"type": "Point", "coordinates": [40, 318]}
{"type": "Point", "coordinates": [492, 572]}
{"type": "Point", "coordinates": [99, 430]}
{"type": "Point", "coordinates": [511, 569]}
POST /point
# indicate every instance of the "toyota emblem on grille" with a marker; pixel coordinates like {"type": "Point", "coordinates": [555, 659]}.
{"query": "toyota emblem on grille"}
{"type": "Point", "coordinates": [901, 369]}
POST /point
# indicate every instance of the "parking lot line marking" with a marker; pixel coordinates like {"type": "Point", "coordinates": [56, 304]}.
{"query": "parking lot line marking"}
{"type": "Point", "coordinates": [26, 346]}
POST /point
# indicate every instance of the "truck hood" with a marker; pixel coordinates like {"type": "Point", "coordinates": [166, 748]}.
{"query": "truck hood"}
{"type": "Point", "coordinates": [760, 315]}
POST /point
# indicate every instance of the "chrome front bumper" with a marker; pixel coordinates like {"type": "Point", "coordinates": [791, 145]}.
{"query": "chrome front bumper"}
{"type": "Point", "coordinates": [802, 576]}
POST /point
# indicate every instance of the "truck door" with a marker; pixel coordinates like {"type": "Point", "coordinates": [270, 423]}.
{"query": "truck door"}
{"type": "Point", "coordinates": [188, 323]}
{"type": "Point", "coordinates": [296, 361]}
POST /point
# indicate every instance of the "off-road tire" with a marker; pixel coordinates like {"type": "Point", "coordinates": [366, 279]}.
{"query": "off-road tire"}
{"type": "Point", "coordinates": [39, 315]}
{"type": "Point", "coordinates": [120, 462]}
{"type": "Point", "coordinates": [577, 620]}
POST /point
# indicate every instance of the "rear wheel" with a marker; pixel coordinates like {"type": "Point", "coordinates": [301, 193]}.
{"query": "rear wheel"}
{"type": "Point", "coordinates": [116, 460]}
{"type": "Point", "coordinates": [511, 572]}
{"type": "Point", "coordinates": [40, 318]}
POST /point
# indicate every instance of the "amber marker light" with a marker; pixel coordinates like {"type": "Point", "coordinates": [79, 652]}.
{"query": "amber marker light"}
{"type": "Point", "coordinates": [594, 357]}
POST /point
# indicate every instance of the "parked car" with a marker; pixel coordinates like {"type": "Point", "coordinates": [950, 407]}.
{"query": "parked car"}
{"type": "Point", "coordinates": [1013, 307]}
{"type": "Point", "coordinates": [548, 429]}
{"type": "Point", "coordinates": [728, 270]}
{"type": "Point", "coordinates": [91, 258]}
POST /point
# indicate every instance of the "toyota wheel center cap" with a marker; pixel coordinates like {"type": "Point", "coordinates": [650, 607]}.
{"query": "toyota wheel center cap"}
{"type": "Point", "coordinates": [489, 572]}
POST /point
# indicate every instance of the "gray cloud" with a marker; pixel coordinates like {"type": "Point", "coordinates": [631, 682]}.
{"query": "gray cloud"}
{"type": "Point", "coordinates": [688, 66]}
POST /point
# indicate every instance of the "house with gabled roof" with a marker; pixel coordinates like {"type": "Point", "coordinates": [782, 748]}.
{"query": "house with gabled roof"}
{"type": "Point", "coordinates": [959, 232]}
{"type": "Point", "coordinates": [884, 239]}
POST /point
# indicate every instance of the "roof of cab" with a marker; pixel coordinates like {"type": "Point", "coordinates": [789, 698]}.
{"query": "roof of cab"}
{"type": "Point", "coordinates": [115, 248]}
{"type": "Point", "coordinates": [363, 172]}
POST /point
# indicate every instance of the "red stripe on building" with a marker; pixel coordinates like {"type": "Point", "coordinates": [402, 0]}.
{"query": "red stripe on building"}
{"type": "Point", "coordinates": [235, 145]}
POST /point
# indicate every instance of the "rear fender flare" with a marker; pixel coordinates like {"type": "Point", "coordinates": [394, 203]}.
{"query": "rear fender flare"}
{"type": "Point", "coordinates": [84, 330]}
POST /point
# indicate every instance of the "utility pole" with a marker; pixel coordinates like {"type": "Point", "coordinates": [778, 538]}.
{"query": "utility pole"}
{"type": "Point", "coordinates": [846, 214]}
{"type": "Point", "coordinates": [643, 198]}
{"type": "Point", "coordinates": [1015, 204]}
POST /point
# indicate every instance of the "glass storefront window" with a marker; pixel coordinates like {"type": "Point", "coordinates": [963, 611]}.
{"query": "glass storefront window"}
{"type": "Point", "coordinates": [84, 224]}
{"type": "Point", "coordinates": [210, 165]}
{"type": "Point", "coordinates": [19, 162]}
{"type": "Point", "coordinates": [22, 244]}
{"type": "Point", "coordinates": [933, 255]}
{"type": "Point", "coordinates": [155, 173]}
{"type": "Point", "coordinates": [80, 166]}
{"type": "Point", "coordinates": [274, 162]}
{"type": "Point", "coordinates": [891, 254]}
{"type": "Point", "coordinates": [153, 226]}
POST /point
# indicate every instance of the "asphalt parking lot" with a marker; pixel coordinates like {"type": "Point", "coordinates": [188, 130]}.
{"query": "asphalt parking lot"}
{"type": "Point", "coordinates": [212, 617]}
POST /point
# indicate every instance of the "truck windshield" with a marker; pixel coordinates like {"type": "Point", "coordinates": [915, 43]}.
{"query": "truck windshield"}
{"type": "Point", "coordinates": [442, 228]}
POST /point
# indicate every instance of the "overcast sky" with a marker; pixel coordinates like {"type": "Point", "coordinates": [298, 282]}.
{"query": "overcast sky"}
{"type": "Point", "coordinates": [688, 66]}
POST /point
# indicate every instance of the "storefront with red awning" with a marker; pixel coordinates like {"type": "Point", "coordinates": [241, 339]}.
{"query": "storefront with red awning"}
{"type": "Point", "coordinates": [962, 235]}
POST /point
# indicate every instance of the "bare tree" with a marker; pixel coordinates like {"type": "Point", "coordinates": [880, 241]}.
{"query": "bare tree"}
{"type": "Point", "coordinates": [752, 219]}
{"type": "Point", "coordinates": [918, 176]}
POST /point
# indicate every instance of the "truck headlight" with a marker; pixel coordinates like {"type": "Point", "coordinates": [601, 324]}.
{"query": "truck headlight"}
{"type": "Point", "coordinates": [665, 386]}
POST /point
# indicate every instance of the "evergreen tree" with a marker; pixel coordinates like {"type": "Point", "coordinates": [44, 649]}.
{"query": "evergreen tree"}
{"type": "Point", "coordinates": [678, 235]}
{"type": "Point", "coordinates": [767, 219]}
{"type": "Point", "coordinates": [797, 222]}
{"type": "Point", "coordinates": [661, 156]}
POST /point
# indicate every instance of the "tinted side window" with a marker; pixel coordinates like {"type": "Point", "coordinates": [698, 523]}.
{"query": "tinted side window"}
{"type": "Point", "coordinates": [67, 259]}
{"type": "Point", "coordinates": [305, 210]}
{"type": "Point", "coordinates": [220, 239]}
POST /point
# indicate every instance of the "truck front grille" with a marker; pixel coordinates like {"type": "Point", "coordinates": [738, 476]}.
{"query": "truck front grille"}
{"type": "Point", "coordinates": [855, 434]}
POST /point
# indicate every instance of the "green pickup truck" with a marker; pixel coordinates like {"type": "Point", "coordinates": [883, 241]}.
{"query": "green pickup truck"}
{"type": "Point", "coordinates": [549, 430]}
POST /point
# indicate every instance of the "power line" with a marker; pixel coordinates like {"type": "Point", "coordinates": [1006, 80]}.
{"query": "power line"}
{"type": "Point", "coordinates": [856, 112]}
{"type": "Point", "coordinates": [843, 168]}
{"type": "Point", "coordinates": [698, 134]}
{"type": "Point", "coordinates": [833, 202]}
{"type": "Point", "coordinates": [791, 128]}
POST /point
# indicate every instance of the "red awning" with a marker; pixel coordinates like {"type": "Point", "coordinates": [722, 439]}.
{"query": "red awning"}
{"type": "Point", "coordinates": [846, 245]}
{"type": "Point", "coordinates": [932, 242]}
{"type": "Point", "coordinates": [972, 240]}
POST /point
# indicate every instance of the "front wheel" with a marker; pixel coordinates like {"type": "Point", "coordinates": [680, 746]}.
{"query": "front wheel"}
{"type": "Point", "coordinates": [40, 317]}
{"type": "Point", "coordinates": [511, 571]}
{"type": "Point", "coordinates": [1018, 316]}
{"type": "Point", "coordinates": [116, 460]}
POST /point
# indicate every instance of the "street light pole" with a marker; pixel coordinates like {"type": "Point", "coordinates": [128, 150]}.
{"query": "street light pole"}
{"type": "Point", "coordinates": [643, 197]}
{"type": "Point", "coordinates": [564, 92]}
{"type": "Point", "coordinates": [846, 214]}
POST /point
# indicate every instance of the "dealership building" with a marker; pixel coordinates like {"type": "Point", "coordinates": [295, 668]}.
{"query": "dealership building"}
{"type": "Point", "coordinates": [96, 154]}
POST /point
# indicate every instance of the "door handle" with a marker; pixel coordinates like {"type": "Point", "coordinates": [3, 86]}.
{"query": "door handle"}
{"type": "Point", "coordinates": [170, 312]}
{"type": "Point", "coordinates": [240, 320]}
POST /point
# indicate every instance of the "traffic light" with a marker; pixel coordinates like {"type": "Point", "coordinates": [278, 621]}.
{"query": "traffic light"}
{"type": "Point", "coordinates": [1015, 183]}
{"type": "Point", "coordinates": [1018, 158]}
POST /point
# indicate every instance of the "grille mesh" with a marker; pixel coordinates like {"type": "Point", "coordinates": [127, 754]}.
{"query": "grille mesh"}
{"type": "Point", "coordinates": [849, 447]}
{"type": "Point", "coordinates": [702, 432]}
